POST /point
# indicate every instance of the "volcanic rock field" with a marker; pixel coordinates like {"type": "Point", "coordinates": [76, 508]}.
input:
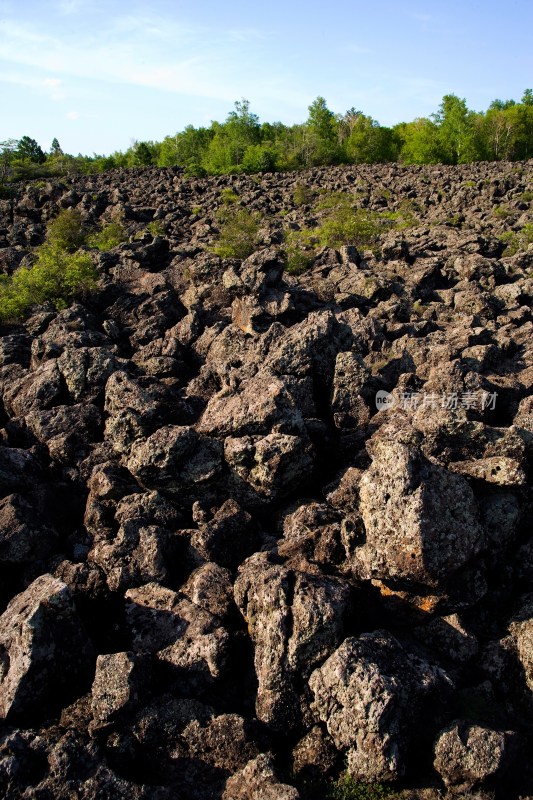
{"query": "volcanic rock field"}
{"type": "Point", "coordinates": [262, 529]}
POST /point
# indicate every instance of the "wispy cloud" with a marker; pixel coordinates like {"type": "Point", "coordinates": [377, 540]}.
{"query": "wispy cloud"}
{"type": "Point", "coordinates": [50, 87]}
{"type": "Point", "coordinates": [129, 51]}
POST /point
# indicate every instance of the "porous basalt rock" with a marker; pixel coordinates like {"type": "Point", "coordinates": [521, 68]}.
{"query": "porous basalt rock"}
{"type": "Point", "coordinates": [227, 571]}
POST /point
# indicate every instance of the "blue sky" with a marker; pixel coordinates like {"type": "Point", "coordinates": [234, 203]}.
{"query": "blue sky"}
{"type": "Point", "coordinates": [98, 75]}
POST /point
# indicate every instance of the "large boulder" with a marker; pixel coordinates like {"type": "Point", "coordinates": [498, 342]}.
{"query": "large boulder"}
{"type": "Point", "coordinates": [521, 630]}
{"type": "Point", "coordinates": [295, 620]}
{"type": "Point", "coordinates": [188, 640]}
{"type": "Point", "coordinates": [273, 466]}
{"type": "Point", "coordinates": [24, 534]}
{"type": "Point", "coordinates": [421, 521]}
{"type": "Point", "coordinates": [117, 686]}
{"type": "Point", "coordinates": [264, 405]}
{"type": "Point", "coordinates": [372, 694]}
{"type": "Point", "coordinates": [467, 755]}
{"type": "Point", "coordinates": [45, 653]}
{"type": "Point", "coordinates": [135, 556]}
{"type": "Point", "coordinates": [177, 459]}
{"type": "Point", "coordinates": [258, 779]}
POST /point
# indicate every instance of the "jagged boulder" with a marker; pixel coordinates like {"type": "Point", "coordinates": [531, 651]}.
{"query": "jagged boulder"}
{"type": "Point", "coordinates": [258, 779]}
{"type": "Point", "coordinates": [295, 619]}
{"type": "Point", "coordinates": [469, 755]}
{"type": "Point", "coordinates": [372, 694]}
{"type": "Point", "coordinates": [45, 653]}
{"type": "Point", "coordinates": [421, 521]}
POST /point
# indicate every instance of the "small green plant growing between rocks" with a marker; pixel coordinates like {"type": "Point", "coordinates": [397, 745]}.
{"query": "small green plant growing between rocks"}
{"type": "Point", "coordinates": [454, 221]}
{"type": "Point", "coordinates": [359, 227]}
{"type": "Point", "coordinates": [302, 195]}
{"type": "Point", "coordinates": [156, 228]}
{"type": "Point", "coordinates": [405, 216]}
{"type": "Point", "coordinates": [228, 196]}
{"type": "Point", "coordinates": [419, 307]}
{"type": "Point", "coordinates": [502, 212]}
{"type": "Point", "coordinates": [67, 231]}
{"type": "Point", "coordinates": [517, 240]}
{"type": "Point", "coordinates": [57, 277]}
{"type": "Point", "coordinates": [109, 236]}
{"type": "Point", "coordinates": [298, 252]}
{"type": "Point", "coordinates": [347, 788]}
{"type": "Point", "coordinates": [60, 272]}
{"type": "Point", "coordinates": [238, 233]}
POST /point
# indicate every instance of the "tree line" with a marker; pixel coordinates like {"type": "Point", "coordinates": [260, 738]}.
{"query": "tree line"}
{"type": "Point", "coordinates": [453, 135]}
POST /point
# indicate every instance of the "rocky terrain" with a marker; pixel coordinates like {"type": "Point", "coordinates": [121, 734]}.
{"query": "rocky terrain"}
{"type": "Point", "coordinates": [227, 572]}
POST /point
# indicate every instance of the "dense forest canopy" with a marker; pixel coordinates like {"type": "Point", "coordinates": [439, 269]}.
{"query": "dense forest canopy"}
{"type": "Point", "coordinates": [453, 135]}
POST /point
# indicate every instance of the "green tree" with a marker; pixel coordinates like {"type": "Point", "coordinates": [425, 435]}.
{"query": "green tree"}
{"type": "Point", "coordinates": [28, 149]}
{"type": "Point", "coordinates": [8, 149]}
{"type": "Point", "coordinates": [456, 130]}
{"type": "Point", "coordinates": [259, 158]}
{"type": "Point", "coordinates": [499, 133]}
{"type": "Point", "coordinates": [369, 143]}
{"type": "Point", "coordinates": [420, 143]}
{"type": "Point", "coordinates": [321, 120]}
{"type": "Point", "coordinates": [320, 136]}
{"type": "Point", "coordinates": [186, 149]}
{"type": "Point", "coordinates": [229, 143]}
{"type": "Point", "coordinates": [143, 154]}
{"type": "Point", "coordinates": [55, 148]}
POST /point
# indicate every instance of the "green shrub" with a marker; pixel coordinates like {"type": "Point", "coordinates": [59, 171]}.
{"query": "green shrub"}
{"type": "Point", "coordinates": [502, 212]}
{"type": "Point", "coordinates": [516, 241]}
{"type": "Point", "coordinates": [156, 228]}
{"type": "Point", "coordinates": [258, 158]}
{"type": "Point", "coordinates": [334, 200]}
{"type": "Point", "coordinates": [359, 227]}
{"type": "Point", "coordinates": [302, 195]}
{"type": "Point", "coordinates": [345, 224]}
{"type": "Point", "coordinates": [228, 196]}
{"type": "Point", "coordinates": [347, 788]}
{"type": "Point", "coordinates": [195, 170]}
{"type": "Point", "coordinates": [419, 307]}
{"type": "Point", "coordinates": [57, 276]}
{"type": "Point", "coordinates": [238, 233]}
{"type": "Point", "coordinates": [108, 237]}
{"type": "Point", "coordinates": [298, 251]}
{"type": "Point", "coordinates": [526, 197]}
{"type": "Point", "coordinates": [67, 231]}
{"type": "Point", "coordinates": [405, 216]}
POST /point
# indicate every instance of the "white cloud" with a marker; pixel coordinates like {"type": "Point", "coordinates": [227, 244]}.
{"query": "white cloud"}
{"type": "Point", "coordinates": [73, 115]}
{"type": "Point", "coordinates": [50, 87]}
{"type": "Point", "coordinates": [172, 58]}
